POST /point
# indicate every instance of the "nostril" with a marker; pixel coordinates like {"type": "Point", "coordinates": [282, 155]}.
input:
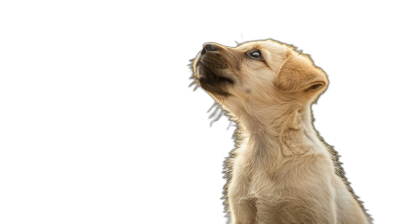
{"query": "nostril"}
{"type": "Point", "coordinates": [209, 47]}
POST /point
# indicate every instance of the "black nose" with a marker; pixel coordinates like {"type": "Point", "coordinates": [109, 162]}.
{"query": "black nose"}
{"type": "Point", "coordinates": [208, 48]}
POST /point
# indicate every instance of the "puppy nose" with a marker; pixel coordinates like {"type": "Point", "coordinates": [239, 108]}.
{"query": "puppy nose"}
{"type": "Point", "coordinates": [209, 47]}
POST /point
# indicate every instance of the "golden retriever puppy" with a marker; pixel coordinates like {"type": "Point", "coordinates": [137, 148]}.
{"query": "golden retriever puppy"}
{"type": "Point", "coordinates": [281, 171]}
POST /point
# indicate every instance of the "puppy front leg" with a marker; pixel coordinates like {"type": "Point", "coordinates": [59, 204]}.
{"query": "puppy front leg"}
{"type": "Point", "coordinates": [242, 208]}
{"type": "Point", "coordinates": [299, 212]}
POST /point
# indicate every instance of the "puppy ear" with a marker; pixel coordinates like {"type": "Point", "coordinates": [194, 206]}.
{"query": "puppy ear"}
{"type": "Point", "coordinates": [298, 73]}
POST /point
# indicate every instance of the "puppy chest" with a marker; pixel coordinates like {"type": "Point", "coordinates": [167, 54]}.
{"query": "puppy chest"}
{"type": "Point", "coordinates": [258, 186]}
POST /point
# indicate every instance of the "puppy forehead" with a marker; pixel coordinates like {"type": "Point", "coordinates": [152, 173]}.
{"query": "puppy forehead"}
{"type": "Point", "coordinates": [250, 46]}
{"type": "Point", "coordinates": [264, 45]}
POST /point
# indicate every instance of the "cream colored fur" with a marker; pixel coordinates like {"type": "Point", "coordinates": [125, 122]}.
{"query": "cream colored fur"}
{"type": "Point", "coordinates": [281, 172]}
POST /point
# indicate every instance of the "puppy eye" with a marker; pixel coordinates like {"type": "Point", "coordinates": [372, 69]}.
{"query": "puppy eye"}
{"type": "Point", "coordinates": [256, 55]}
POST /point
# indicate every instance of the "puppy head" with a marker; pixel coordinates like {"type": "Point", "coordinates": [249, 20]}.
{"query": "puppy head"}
{"type": "Point", "coordinates": [257, 74]}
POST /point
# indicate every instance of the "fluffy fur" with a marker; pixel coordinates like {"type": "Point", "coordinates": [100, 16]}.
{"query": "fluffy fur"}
{"type": "Point", "coordinates": [281, 171]}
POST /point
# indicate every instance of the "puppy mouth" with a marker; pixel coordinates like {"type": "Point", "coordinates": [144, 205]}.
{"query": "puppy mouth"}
{"type": "Point", "coordinates": [210, 75]}
{"type": "Point", "coordinates": [203, 70]}
{"type": "Point", "coordinates": [212, 79]}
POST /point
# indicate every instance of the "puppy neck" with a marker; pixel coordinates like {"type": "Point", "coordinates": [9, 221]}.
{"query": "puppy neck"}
{"type": "Point", "coordinates": [276, 132]}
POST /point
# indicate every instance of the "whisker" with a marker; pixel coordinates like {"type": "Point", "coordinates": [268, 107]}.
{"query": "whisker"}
{"type": "Point", "coordinates": [220, 115]}
{"type": "Point", "coordinates": [230, 124]}
{"type": "Point", "coordinates": [215, 104]}
{"type": "Point", "coordinates": [194, 82]}
{"type": "Point", "coordinates": [215, 111]}
{"type": "Point", "coordinates": [211, 123]}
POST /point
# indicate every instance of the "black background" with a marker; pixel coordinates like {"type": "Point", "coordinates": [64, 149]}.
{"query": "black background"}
{"type": "Point", "coordinates": [156, 156]}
